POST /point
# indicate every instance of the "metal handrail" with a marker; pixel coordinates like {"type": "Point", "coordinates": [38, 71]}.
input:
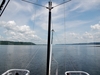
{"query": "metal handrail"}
{"type": "Point", "coordinates": [75, 72]}
{"type": "Point", "coordinates": [8, 71]}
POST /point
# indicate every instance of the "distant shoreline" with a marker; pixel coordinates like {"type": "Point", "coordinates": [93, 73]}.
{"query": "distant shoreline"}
{"type": "Point", "coordinates": [15, 43]}
{"type": "Point", "coordinates": [92, 43]}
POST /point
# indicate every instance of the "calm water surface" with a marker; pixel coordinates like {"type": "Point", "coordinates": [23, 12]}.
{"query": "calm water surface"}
{"type": "Point", "coordinates": [69, 57]}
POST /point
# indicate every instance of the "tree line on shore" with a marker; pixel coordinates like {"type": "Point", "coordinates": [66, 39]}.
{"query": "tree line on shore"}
{"type": "Point", "coordinates": [15, 43]}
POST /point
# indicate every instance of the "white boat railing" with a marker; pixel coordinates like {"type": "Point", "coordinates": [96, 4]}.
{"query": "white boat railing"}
{"type": "Point", "coordinates": [76, 73]}
{"type": "Point", "coordinates": [18, 71]}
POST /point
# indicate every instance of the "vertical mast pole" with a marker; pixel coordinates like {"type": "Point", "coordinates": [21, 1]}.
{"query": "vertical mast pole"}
{"type": "Point", "coordinates": [49, 40]}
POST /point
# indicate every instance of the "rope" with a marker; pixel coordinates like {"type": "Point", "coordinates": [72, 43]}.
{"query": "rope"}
{"type": "Point", "coordinates": [65, 34]}
{"type": "Point", "coordinates": [33, 3]}
{"type": "Point", "coordinates": [70, 61]}
{"type": "Point", "coordinates": [62, 3]}
{"type": "Point", "coordinates": [57, 66]}
{"type": "Point", "coordinates": [34, 16]}
{"type": "Point", "coordinates": [36, 51]}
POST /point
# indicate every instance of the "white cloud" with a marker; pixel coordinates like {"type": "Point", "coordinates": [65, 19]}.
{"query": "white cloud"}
{"type": "Point", "coordinates": [87, 35]}
{"type": "Point", "coordinates": [72, 37]}
{"type": "Point", "coordinates": [95, 27]}
{"type": "Point", "coordinates": [73, 34]}
{"type": "Point", "coordinates": [18, 33]}
{"type": "Point", "coordinates": [78, 38]}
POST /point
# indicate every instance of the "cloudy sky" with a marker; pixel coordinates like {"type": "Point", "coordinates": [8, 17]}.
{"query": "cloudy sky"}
{"type": "Point", "coordinates": [74, 22]}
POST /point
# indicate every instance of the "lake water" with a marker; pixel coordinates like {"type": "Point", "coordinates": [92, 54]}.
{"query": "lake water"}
{"type": "Point", "coordinates": [68, 57]}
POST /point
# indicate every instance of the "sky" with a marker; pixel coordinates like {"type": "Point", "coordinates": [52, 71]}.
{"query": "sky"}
{"type": "Point", "coordinates": [77, 21]}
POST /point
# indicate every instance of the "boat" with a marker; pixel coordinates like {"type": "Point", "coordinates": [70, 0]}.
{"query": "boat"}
{"type": "Point", "coordinates": [49, 51]}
